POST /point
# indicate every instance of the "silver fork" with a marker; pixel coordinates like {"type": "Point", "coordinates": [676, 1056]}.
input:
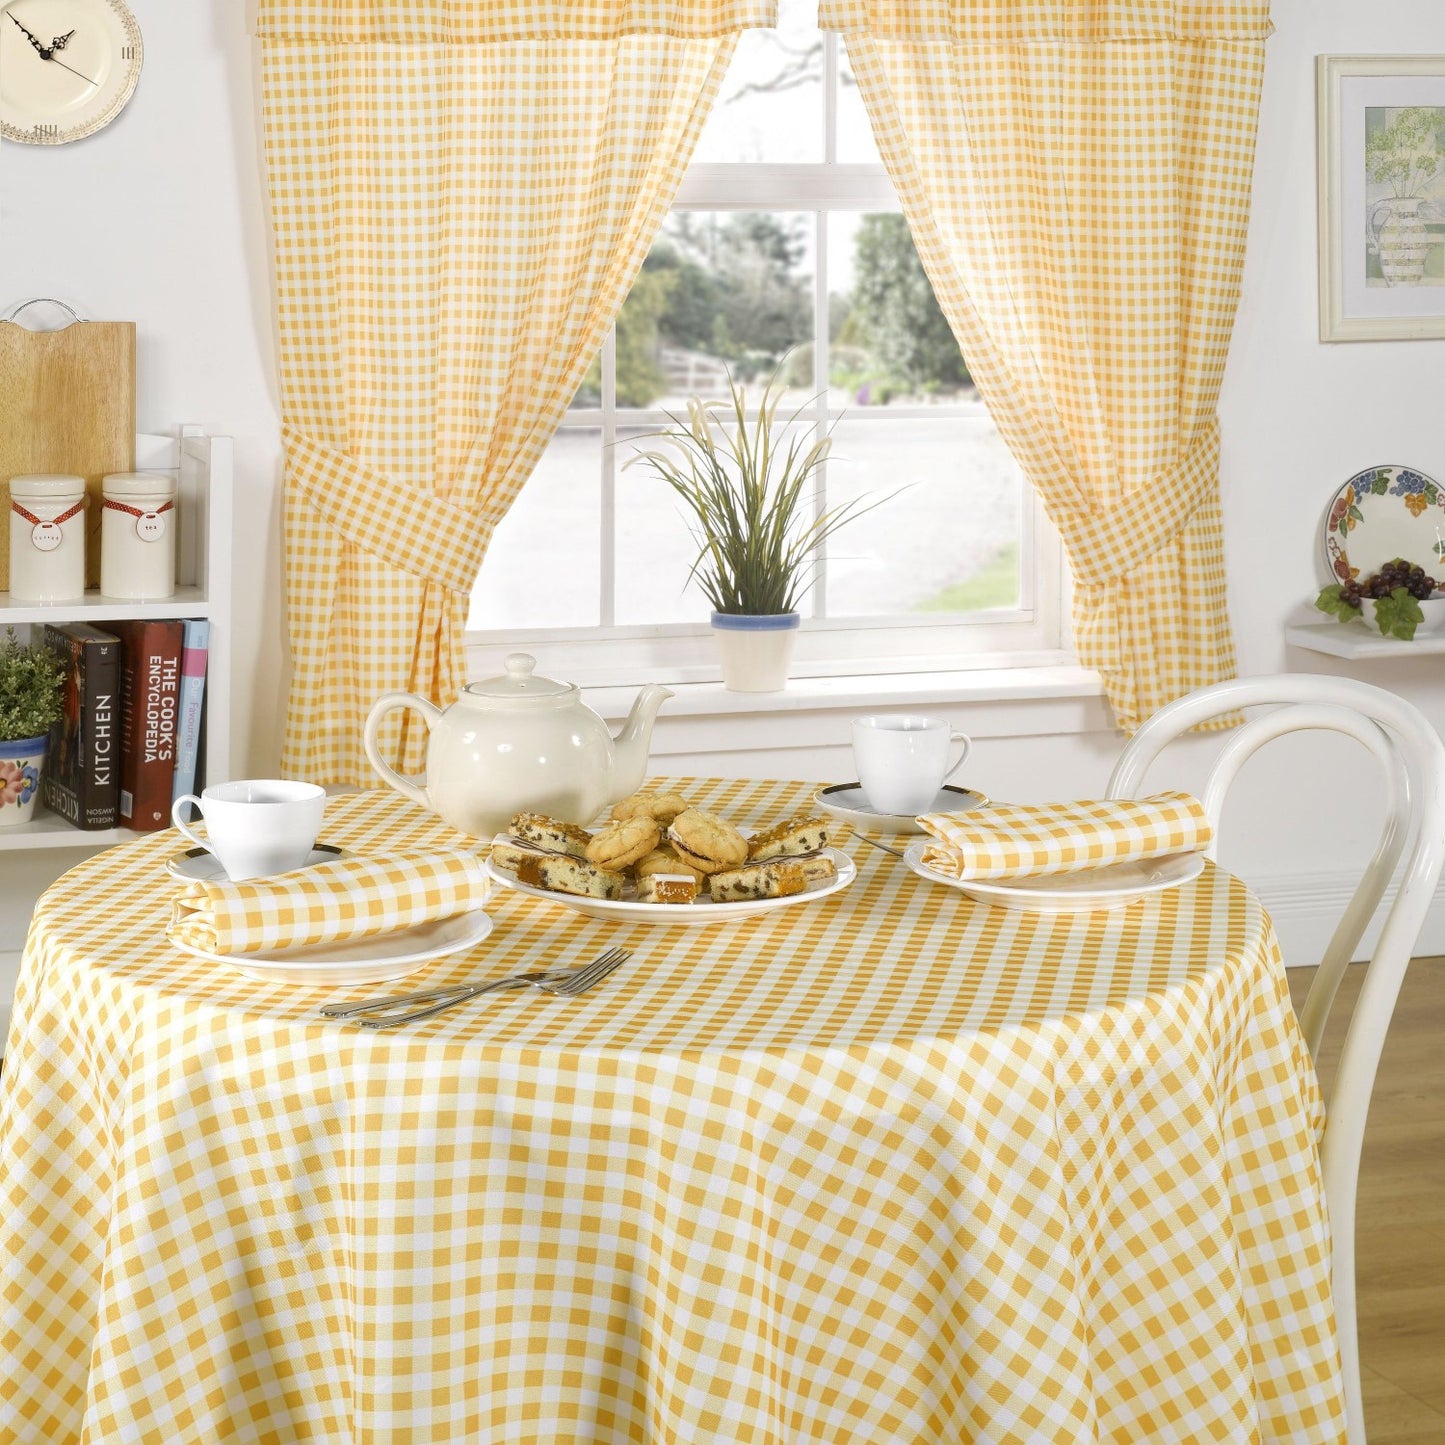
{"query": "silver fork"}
{"type": "Point", "coordinates": [563, 982]}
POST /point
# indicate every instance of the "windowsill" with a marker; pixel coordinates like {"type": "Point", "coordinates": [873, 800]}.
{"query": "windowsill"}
{"type": "Point", "coordinates": [855, 694]}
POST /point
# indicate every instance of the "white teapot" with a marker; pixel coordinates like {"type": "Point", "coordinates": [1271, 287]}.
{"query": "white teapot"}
{"type": "Point", "coordinates": [520, 743]}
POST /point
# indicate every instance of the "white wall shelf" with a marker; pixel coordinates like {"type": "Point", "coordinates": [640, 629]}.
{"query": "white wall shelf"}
{"type": "Point", "coordinates": [202, 466]}
{"type": "Point", "coordinates": [1357, 642]}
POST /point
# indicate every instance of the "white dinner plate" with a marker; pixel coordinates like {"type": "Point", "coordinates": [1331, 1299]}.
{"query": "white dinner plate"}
{"type": "Point", "coordinates": [378, 959]}
{"type": "Point", "coordinates": [846, 801]}
{"type": "Point", "coordinates": [1112, 886]}
{"type": "Point", "coordinates": [196, 865]}
{"type": "Point", "coordinates": [685, 915]}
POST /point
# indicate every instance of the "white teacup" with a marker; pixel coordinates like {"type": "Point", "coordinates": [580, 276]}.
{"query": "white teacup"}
{"type": "Point", "coordinates": [258, 826]}
{"type": "Point", "coordinates": [902, 760]}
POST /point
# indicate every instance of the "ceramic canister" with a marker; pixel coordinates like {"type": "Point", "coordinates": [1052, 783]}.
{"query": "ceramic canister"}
{"type": "Point", "coordinates": [47, 538]}
{"type": "Point", "coordinates": [138, 535]}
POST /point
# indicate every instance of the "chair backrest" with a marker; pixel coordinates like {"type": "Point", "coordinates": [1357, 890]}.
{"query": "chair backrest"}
{"type": "Point", "coordinates": [1412, 763]}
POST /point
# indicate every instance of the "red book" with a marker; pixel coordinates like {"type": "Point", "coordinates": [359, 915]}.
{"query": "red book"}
{"type": "Point", "coordinates": [150, 690]}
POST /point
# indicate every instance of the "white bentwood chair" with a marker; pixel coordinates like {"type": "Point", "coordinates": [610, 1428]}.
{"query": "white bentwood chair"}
{"type": "Point", "coordinates": [1412, 764]}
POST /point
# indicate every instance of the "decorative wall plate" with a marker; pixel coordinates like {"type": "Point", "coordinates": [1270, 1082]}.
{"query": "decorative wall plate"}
{"type": "Point", "coordinates": [1382, 513]}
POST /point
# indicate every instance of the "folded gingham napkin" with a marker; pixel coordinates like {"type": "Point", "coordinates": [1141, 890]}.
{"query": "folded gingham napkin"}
{"type": "Point", "coordinates": [1015, 841]}
{"type": "Point", "coordinates": [347, 898]}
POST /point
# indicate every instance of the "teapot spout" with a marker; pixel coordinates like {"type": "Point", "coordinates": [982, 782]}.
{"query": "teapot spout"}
{"type": "Point", "coordinates": [632, 745]}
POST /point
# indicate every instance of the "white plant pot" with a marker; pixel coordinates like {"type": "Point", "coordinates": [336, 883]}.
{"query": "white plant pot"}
{"type": "Point", "coordinates": [20, 764]}
{"type": "Point", "coordinates": [756, 651]}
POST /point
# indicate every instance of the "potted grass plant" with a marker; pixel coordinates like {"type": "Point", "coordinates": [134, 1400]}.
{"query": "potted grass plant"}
{"type": "Point", "coordinates": [748, 487]}
{"type": "Point", "coordinates": [30, 700]}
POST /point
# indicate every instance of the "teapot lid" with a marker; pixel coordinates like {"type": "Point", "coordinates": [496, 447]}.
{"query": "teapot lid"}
{"type": "Point", "coordinates": [518, 684]}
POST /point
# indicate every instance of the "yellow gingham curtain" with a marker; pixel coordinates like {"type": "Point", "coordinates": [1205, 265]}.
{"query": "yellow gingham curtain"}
{"type": "Point", "coordinates": [461, 196]}
{"type": "Point", "coordinates": [1077, 180]}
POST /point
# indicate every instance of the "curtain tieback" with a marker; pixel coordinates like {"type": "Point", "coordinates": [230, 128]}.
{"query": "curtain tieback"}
{"type": "Point", "coordinates": [1109, 544]}
{"type": "Point", "coordinates": [418, 532]}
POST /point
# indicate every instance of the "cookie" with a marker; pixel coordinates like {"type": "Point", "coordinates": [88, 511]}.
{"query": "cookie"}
{"type": "Point", "coordinates": [778, 879]}
{"type": "Point", "coordinates": [548, 833]}
{"type": "Point", "coordinates": [563, 874]}
{"type": "Point", "coordinates": [663, 860]}
{"type": "Point", "coordinates": [706, 842]}
{"type": "Point", "coordinates": [790, 838]}
{"type": "Point", "coordinates": [622, 844]}
{"type": "Point", "coordinates": [667, 888]}
{"type": "Point", "coordinates": [663, 807]}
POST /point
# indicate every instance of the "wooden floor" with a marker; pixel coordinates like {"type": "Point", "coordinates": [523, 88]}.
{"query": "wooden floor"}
{"type": "Point", "coordinates": [1400, 1239]}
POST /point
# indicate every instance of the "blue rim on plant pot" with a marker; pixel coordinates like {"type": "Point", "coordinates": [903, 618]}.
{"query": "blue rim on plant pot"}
{"type": "Point", "coordinates": [754, 522]}
{"type": "Point", "coordinates": [30, 683]}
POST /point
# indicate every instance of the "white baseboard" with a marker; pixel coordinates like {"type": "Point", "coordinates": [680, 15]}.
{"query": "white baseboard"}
{"type": "Point", "coordinates": [1306, 907]}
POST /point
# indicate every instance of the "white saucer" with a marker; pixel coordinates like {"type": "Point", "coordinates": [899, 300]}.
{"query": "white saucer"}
{"type": "Point", "coordinates": [846, 801]}
{"type": "Point", "coordinates": [196, 865]}
{"type": "Point", "coordinates": [377, 959]}
{"type": "Point", "coordinates": [1112, 886]}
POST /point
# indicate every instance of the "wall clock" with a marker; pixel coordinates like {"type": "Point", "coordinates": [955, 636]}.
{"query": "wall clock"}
{"type": "Point", "coordinates": [67, 67]}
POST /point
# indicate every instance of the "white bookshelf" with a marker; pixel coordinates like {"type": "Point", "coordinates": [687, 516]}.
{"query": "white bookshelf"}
{"type": "Point", "coordinates": [202, 466]}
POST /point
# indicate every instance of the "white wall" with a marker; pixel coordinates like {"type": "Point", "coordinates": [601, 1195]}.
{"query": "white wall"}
{"type": "Point", "coordinates": [160, 219]}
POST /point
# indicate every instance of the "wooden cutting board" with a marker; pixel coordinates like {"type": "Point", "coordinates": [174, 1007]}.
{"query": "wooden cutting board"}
{"type": "Point", "coordinates": [69, 406]}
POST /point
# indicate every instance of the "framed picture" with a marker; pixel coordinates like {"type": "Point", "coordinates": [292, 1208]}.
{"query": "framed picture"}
{"type": "Point", "coordinates": [1381, 196]}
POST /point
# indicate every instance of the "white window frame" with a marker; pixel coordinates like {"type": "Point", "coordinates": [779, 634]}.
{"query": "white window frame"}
{"type": "Point", "coordinates": [1033, 634]}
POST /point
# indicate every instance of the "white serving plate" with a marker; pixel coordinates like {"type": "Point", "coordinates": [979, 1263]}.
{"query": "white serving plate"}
{"type": "Point", "coordinates": [196, 865]}
{"type": "Point", "coordinates": [1112, 886]}
{"type": "Point", "coordinates": [684, 915]}
{"type": "Point", "coordinates": [846, 801]}
{"type": "Point", "coordinates": [376, 959]}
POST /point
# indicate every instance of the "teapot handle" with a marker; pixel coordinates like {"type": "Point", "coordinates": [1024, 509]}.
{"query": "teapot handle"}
{"type": "Point", "coordinates": [383, 705]}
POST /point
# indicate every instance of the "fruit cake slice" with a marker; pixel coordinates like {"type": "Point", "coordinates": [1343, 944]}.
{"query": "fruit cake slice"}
{"type": "Point", "coordinates": [761, 880]}
{"type": "Point", "coordinates": [561, 874]}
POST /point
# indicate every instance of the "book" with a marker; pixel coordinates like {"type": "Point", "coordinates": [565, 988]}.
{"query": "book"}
{"type": "Point", "coordinates": [150, 690]}
{"type": "Point", "coordinates": [81, 781]}
{"type": "Point", "coordinates": [193, 690]}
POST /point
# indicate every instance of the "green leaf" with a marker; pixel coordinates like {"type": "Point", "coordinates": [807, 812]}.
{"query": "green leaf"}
{"type": "Point", "coordinates": [1356, 513]}
{"type": "Point", "coordinates": [1331, 602]}
{"type": "Point", "coordinates": [1398, 615]}
{"type": "Point", "coordinates": [1380, 485]}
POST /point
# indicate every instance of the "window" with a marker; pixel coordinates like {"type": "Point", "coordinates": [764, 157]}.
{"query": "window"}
{"type": "Point", "coordinates": [785, 247]}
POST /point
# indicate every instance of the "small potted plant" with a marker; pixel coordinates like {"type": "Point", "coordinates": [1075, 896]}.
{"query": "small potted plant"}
{"type": "Point", "coordinates": [752, 508]}
{"type": "Point", "coordinates": [30, 700]}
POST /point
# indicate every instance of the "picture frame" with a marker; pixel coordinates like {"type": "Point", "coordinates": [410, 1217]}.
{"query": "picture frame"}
{"type": "Point", "coordinates": [1381, 158]}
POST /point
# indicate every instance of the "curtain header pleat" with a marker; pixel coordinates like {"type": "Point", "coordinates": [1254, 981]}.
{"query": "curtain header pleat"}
{"type": "Point", "coordinates": [471, 22]}
{"type": "Point", "coordinates": [1076, 21]}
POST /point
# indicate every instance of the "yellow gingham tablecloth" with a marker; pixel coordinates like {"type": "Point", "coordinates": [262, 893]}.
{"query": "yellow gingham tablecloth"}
{"type": "Point", "coordinates": [896, 1166]}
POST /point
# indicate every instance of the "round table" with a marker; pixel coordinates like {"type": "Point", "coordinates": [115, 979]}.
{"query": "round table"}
{"type": "Point", "coordinates": [891, 1166]}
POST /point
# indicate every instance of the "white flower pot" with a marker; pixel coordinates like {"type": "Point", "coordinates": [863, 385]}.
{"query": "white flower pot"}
{"type": "Point", "coordinates": [20, 764]}
{"type": "Point", "coordinates": [756, 651]}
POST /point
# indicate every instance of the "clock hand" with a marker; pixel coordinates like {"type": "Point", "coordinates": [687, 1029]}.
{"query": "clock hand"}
{"type": "Point", "coordinates": [44, 53]}
{"type": "Point", "coordinates": [61, 41]}
{"type": "Point", "coordinates": [71, 69]}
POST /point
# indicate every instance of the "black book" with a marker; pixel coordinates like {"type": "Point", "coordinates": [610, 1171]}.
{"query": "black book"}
{"type": "Point", "coordinates": [81, 778]}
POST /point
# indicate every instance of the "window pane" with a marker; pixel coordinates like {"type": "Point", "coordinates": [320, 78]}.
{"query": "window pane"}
{"type": "Point", "coordinates": [541, 569]}
{"type": "Point", "coordinates": [856, 145]}
{"type": "Point", "coordinates": [770, 107]}
{"type": "Point", "coordinates": [890, 342]}
{"type": "Point", "coordinates": [719, 289]}
{"type": "Point", "coordinates": [947, 540]}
